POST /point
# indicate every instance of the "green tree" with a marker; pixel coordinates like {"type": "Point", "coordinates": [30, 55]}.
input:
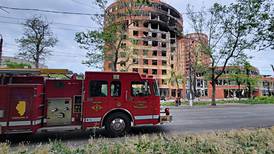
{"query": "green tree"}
{"type": "Point", "coordinates": [36, 41]}
{"type": "Point", "coordinates": [178, 79]}
{"type": "Point", "coordinates": [241, 74]}
{"type": "Point", "coordinates": [263, 23]}
{"type": "Point", "coordinates": [106, 42]}
{"type": "Point", "coordinates": [229, 29]}
{"type": "Point", "coordinates": [11, 64]}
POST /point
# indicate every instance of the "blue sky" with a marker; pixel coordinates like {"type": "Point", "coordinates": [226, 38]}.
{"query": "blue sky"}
{"type": "Point", "coordinates": [67, 54]}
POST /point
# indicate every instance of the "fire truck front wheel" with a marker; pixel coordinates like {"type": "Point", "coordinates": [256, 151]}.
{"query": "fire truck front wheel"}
{"type": "Point", "coordinates": [117, 124]}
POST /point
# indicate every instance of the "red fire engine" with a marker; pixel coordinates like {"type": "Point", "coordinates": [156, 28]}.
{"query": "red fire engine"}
{"type": "Point", "coordinates": [31, 102]}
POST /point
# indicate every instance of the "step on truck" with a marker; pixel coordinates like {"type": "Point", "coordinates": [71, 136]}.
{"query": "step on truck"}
{"type": "Point", "coordinates": [32, 101]}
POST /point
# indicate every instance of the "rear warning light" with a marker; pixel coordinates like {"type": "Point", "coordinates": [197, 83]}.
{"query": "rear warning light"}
{"type": "Point", "coordinates": [167, 111]}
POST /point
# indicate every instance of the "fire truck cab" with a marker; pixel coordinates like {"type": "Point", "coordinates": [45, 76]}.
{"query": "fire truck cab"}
{"type": "Point", "coordinates": [31, 103]}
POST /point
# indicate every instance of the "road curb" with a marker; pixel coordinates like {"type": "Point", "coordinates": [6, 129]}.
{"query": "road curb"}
{"type": "Point", "coordinates": [208, 106]}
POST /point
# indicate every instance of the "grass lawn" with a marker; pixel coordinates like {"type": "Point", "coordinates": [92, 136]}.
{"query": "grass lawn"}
{"type": "Point", "coordinates": [236, 141]}
{"type": "Point", "coordinates": [257, 100]}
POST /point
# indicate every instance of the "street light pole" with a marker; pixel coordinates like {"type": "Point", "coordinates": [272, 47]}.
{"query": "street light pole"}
{"type": "Point", "coordinates": [1, 49]}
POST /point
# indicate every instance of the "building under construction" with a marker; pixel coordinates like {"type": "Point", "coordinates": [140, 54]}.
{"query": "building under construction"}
{"type": "Point", "coordinates": [160, 48]}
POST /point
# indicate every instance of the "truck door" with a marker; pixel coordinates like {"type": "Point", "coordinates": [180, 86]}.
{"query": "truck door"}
{"type": "Point", "coordinates": [96, 102]}
{"type": "Point", "coordinates": [140, 100]}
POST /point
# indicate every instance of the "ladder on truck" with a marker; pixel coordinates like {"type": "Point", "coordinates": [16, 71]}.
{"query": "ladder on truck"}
{"type": "Point", "coordinates": [43, 71]}
{"type": "Point", "coordinates": [10, 73]}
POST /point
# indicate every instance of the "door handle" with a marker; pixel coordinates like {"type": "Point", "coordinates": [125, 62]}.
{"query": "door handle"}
{"type": "Point", "coordinates": [130, 98]}
{"type": "Point", "coordinates": [126, 95]}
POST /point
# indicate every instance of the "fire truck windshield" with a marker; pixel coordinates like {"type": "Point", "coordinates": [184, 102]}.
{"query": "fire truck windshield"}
{"type": "Point", "coordinates": [156, 88]}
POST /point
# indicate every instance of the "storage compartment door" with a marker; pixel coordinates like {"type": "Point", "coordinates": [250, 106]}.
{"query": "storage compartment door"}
{"type": "Point", "coordinates": [59, 112]}
{"type": "Point", "coordinates": [21, 103]}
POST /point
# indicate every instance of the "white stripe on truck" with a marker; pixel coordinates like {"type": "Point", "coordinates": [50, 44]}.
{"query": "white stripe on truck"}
{"type": "Point", "coordinates": [92, 119]}
{"type": "Point", "coordinates": [147, 117]}
{"type": "Point", "coordinates": [37, 122]}
{"type": "Point", "coordinates": [3, 124]}
{"type": "Point", "coordinates": [19, 123]}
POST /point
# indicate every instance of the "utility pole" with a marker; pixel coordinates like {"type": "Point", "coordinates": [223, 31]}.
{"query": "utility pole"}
{"type": "Point", "coordinates": [1, 49]}
{"type": "Point", "coordinates": [190, 75]}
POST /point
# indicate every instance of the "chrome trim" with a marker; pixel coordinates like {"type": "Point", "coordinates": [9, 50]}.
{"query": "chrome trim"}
{"type": "Point", "coordinates": [58, 98]}
{"type": "Point", "coordinates": [19, 123]}
{"type": "Point", "coordinates": [147, 117]}
{"type": "Point", "coordinates": [118, 124]}
{"type": "Point", "coordinates": [92, 119]}
{"type": "Point", "coordinates": [126, 95]}
{"type": "Point", "coordinates": [59, 128]}
{"type": "Point", "coordinates": [45, 120]}
{"type": "Point", "coordinates": [27, 131]}
{"type": "Point", "coordinates": [143, 117]}
{"type": "Point", "coordinates": [3, 124]}
{"type": "Point", "coordinates": [83, 98]}
{"type": "Point", "coordinates": [142, 125]}
{"type": "Point", "coordinates": [37, 122]}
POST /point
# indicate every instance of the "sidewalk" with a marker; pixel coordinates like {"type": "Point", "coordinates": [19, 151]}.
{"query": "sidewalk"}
{"type": "Point", "coordinates": [207, 106]}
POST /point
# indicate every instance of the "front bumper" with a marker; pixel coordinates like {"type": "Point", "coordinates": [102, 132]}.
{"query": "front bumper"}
{"type": "Point", "coordinates": [165, 118]}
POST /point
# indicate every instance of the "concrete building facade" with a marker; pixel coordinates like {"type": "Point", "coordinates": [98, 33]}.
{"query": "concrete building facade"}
{"type": "Point", "coordinates": [158, 43]}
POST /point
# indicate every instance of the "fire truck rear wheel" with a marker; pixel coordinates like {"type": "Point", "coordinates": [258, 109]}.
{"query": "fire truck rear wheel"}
{"type": "Point", "coordinates": [117, 124]}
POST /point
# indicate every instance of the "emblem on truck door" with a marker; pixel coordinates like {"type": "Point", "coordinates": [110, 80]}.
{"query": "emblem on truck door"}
{"type": "Point", "coordinates": [140, 105]}
{"type": "Point", "coordinates": [97, 107]}
{"type": "Point", "coordinates": [21, 108]}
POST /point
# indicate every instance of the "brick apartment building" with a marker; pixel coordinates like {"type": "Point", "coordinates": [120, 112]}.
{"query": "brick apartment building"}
{"type": "Point", "coordinates": [160, 47]}
{"type": "Point", "coordinates": [229, 88]}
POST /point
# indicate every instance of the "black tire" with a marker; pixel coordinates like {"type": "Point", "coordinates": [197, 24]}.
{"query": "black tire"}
{"type": "Point", "coordinates": [117, 124]}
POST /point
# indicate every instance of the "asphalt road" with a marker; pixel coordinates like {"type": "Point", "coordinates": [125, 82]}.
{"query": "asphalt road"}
{"type": "Point", "coordinates": [186, 120]}
{"type": "Point", "coordinates": [222, 117]}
